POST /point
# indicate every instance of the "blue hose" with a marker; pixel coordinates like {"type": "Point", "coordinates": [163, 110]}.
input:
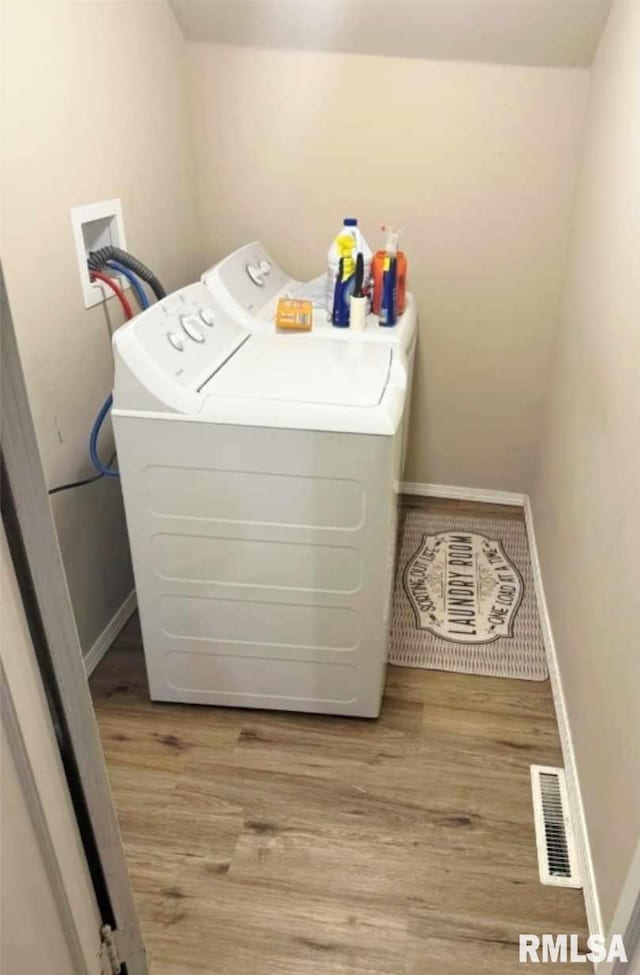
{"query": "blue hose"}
{"type": "Point", "coordinates": [106, 406]}
{"type": "Point", "coordinates": [135, 284]}
{"type": "Point", "coordinates": [93, 439]}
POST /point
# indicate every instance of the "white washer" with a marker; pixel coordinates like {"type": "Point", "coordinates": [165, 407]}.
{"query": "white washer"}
{"type": "Point", "coordinates": [260, 482]}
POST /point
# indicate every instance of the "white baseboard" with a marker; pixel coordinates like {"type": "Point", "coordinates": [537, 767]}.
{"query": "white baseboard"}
{"type": "Point", "coordinates": [95, 654]}
{"type": "Point", "coordinates": [585, 862]}
{"type": "Point", "coordinates": [462, 493]}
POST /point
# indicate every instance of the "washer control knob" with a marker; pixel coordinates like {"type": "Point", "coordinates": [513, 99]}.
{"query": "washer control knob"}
{"type": "Point", "coordinates": [207, 316]}
{"type": "Point", "coordinates": [190, 325]}
{"type": "Point", "coordinates": [256, 274]}
{"type": "Point", "coordinates": [265, 266]}
{"type": "Point", "coordinates": [177, 340]}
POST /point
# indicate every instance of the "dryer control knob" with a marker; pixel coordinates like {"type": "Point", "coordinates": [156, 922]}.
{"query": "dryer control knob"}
{"type": "Point", "coordinates": [177, 340]}
{"type": "Point", "coordinates": [265, 266]}
{"type": "Point", "coordinates": [256, 274]}
{"type": "Point", "coordinates": [207, 316]}
{"type": "Point", "coordinates": [190, 325]}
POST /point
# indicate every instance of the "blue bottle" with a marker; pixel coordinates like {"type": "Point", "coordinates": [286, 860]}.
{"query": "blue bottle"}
{"type": "Point", "coordinates": [345, 281]}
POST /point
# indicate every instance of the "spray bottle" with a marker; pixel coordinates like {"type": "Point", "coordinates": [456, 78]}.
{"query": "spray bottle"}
{"type": "Point", "coordinates": [389, 280]}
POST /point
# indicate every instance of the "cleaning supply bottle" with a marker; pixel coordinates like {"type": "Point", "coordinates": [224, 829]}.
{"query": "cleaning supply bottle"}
{"type": "Point", "coordinates": [358, 300]}
{"type": "Point", "coordinates": [399, 272]}
{"type": "Point", "coordinates": [345, 281]}
{"type": "Point", "coordinates": [349, 229]}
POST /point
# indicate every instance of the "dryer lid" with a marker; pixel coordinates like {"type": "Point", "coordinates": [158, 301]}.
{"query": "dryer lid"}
{"type": "Point", "coordinates": [291, 368]}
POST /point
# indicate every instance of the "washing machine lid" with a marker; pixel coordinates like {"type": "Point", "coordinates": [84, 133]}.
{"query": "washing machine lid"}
{"type": "Point", "coordinates": [294, 369]}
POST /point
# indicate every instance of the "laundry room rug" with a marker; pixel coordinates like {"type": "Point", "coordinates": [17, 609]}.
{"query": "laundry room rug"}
{"type": "Point", "coordinates": [464, 598]}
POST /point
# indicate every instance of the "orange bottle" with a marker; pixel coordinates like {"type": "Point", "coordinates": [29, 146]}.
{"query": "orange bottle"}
{"type": "Point", "coordinates": [377, 272]}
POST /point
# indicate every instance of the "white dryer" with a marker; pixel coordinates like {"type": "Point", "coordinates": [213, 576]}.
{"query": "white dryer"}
{"type": "Point", "coordinates": [260, 482]}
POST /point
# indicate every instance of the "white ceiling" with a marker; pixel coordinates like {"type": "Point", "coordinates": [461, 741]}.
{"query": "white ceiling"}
{"type": "Point", "coordinates": [554, 33]}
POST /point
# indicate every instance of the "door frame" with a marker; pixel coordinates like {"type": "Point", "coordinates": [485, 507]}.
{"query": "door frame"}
{"type": "Point", "coordinates": [29, 736]}
{"type": "Point", "coordinates": [35, 551]}
{"type": "Point", "coordinates": [626, 921]}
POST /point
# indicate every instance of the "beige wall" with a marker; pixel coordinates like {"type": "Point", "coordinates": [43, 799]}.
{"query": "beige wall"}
{"type": "Point", "coordinates": [588, 485]}
{"type": "Point", "coordinates": [474, 162]}
{"type": "Point", "coordinates": [94, 108]}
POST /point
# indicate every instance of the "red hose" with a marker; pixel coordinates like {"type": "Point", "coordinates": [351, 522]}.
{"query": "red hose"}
{"type": "Point", "coordinates": [117, 290]}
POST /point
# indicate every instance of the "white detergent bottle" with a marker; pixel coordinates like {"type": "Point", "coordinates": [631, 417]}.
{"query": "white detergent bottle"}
{"type": "Point", "coordinates": [350, 228]}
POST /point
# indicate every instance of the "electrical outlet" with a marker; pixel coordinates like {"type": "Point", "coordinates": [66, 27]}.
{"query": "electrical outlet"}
{"type": "Point", "coordinates": [95, 226]}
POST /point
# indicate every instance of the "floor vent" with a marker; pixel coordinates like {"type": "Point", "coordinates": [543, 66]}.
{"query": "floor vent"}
{"type": "Point", "coordinates": [554, 836]}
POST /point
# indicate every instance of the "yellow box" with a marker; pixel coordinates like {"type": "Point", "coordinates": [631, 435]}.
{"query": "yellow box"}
{"type": "Point", "coordinates": [294, 314]}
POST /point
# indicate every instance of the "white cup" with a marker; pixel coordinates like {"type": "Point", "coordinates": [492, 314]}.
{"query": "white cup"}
{"type": "Point", "coordinates": [358, 314]}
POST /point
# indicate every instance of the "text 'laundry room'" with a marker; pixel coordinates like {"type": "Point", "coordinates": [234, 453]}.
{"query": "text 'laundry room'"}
{"type": "Point", "coordinates": [320, 463]}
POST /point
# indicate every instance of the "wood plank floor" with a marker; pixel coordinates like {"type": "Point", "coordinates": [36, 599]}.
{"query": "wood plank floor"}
{"type": "Point", "coordinates": [267, 843]}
